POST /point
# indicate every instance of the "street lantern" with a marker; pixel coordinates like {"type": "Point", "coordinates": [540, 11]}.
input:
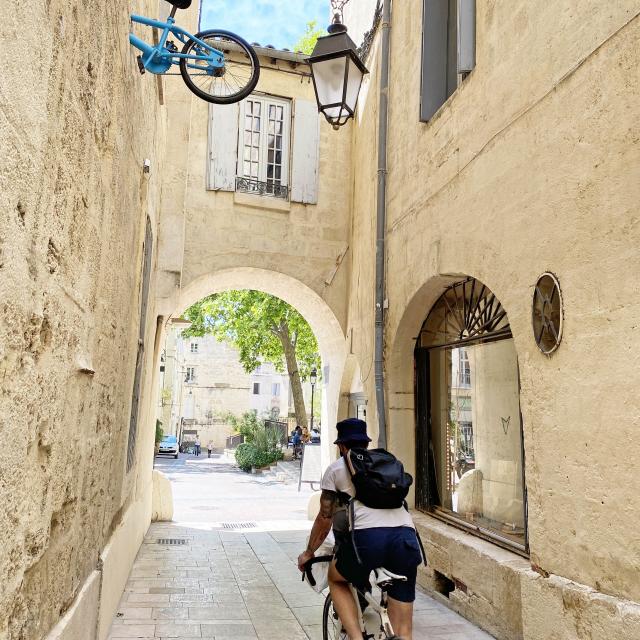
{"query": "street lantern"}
{"type": "Point", "coordinates": [337, 74]}
{"type": "Point", "coordinates": [313, 378]}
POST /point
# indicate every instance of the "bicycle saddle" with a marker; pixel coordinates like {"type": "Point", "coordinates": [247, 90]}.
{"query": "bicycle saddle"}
{"type": "Point", "coordinates": [180, 4]}
{"type": "Point", "coordinates": [385, 578]}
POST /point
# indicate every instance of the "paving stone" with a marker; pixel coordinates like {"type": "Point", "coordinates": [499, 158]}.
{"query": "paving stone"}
{"type": "Point", "coordinates": [227, 585]}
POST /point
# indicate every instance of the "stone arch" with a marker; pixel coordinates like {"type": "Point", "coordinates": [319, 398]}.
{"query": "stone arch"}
{"type": "Point", "coordinates": [400, 380]}
{"type": "Point", "coordinates": [315, 310]}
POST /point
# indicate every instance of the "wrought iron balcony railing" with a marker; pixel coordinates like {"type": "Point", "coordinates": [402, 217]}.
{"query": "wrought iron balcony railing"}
{"type": "Point", "coordinates": [248, 185]}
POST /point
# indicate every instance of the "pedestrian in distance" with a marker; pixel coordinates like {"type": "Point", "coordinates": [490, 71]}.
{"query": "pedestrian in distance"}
{"type": "Point", "coordinates": [297, 442]}
{"type": "Point", "coordinates": [197, 447]}
{"type": "Point", "coordinates": [209, 449]}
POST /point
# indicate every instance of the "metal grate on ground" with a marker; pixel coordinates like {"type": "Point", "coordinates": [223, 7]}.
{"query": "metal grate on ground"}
{"type": "Point", "coordinates": [238, 525]}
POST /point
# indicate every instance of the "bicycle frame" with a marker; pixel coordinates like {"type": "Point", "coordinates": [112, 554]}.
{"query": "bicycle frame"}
{"type": "Point", "coordinates": [379, 607]}
{"type": "Point", "coordinates": [158, 59]}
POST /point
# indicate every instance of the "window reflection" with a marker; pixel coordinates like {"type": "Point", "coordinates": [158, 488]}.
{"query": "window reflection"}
{"type": "Point", "coordinates": [478, 435]}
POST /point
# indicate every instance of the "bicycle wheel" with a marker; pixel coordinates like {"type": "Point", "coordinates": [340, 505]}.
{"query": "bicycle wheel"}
{"type": "Point", "coordinates": [233, 82]}
{"type": "Point", "coordinates": [331, 625]}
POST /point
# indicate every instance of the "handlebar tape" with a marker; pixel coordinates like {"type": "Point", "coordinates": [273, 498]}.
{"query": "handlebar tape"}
{"type": "Point", "coordinates": [307, 568]}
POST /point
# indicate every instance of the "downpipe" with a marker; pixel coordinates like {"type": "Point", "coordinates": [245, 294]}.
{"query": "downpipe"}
{"type": "Point", "coordinates": [381, 224]}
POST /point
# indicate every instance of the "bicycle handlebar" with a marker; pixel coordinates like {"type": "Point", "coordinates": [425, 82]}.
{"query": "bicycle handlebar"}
{"type": "Point", "coordinates": [307, 568]}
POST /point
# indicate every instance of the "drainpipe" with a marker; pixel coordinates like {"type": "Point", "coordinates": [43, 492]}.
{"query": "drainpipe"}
{"type": "Point", "coordinates": [381, 223]}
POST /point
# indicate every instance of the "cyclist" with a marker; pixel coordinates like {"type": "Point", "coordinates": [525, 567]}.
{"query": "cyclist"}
{"type": "Point", "coordinates": [383, 537]}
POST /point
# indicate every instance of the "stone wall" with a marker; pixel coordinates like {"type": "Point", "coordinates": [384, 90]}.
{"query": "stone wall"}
{"type": "Point", "coordinates": [76, 122]}
{"type": "Point", "coordinates": [530, 166]}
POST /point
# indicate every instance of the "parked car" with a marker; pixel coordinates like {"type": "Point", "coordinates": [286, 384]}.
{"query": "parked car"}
{"type": "Point", "coordinates": [169, 446]}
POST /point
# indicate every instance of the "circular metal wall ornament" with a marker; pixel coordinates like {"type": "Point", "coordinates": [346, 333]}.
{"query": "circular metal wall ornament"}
{"type": "Point", "coordinates": [547, 313]}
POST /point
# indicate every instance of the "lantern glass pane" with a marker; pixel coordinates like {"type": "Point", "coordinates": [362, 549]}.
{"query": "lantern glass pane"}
{"type": "Point", "coordinates": [353, 85]}
{"type": "Point", "coordinates": [329, 77]}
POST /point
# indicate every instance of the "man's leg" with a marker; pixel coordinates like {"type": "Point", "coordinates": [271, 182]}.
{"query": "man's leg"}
{"type": "Point", "coordinates": [401, 616]}
{"type": "Point", "coordinates": [344, 603]}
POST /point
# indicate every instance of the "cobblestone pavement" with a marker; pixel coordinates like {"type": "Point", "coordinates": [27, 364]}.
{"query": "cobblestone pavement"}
{"type": "Point", "coordinates": [239, 583]}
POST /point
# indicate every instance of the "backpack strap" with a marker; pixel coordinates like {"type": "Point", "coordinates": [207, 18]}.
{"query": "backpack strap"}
{"type": "Point", "coordinates": [418, 538]}
{"type": "Point", "coordinates": [352, 519]}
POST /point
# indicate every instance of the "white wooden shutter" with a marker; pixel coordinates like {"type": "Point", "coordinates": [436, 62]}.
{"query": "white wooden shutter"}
{"type": "Point", "coordinates": [223, 147]}
{"type": "Point", "coordinates": [305, 157]}
{"type": "Point", "coordinates": [466, 35]}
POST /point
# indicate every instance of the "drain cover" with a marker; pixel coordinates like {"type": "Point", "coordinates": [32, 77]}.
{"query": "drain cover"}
{"type": "Point", "coordinates": [172, 541]}
{"type": "Point", "coordinates": [239, 525]}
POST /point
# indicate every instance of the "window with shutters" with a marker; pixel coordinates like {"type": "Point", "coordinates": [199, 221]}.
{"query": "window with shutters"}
{"type": "Point", "coordinates": [191, 374]}
{"type": "Point", "coordinates": [448, 50]}
{"type": "Point", "coordinates": [263, 147]}
{"type": "Point", "coordinates": [248, 158]}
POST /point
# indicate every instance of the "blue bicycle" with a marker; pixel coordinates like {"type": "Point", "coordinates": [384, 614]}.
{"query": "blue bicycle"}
{"type": "Point", "coordinates": [218, 66]}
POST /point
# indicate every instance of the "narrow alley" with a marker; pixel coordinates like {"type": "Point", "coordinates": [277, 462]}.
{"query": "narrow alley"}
{"type": "Point", "coordinates": [225, 568]}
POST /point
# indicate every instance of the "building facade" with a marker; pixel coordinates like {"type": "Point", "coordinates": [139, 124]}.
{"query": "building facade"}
{"type": "Point", "coordinates": [202, 383]}
{"type": "Point", "coordinates": [511, 247]}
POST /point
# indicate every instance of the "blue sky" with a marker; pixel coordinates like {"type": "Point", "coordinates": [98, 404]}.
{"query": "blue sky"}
{"type": "Point", "coordinates": [276, 22]}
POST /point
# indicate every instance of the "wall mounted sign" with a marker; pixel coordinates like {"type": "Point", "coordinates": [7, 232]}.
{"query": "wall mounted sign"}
{"type": "Point", "coordinates": [547, 313]}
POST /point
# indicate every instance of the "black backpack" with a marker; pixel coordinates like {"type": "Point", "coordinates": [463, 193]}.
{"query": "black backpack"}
{"type": "Point", "coordinates": [378, 477]}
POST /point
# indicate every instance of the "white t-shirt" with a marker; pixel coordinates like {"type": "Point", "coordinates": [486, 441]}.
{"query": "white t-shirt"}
{"type": "Point", "coordinates": [338, 478]}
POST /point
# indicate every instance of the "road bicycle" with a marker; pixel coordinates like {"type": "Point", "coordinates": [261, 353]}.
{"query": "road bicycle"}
{"type": "Point", "coordinates": [332, 627]}
{"type": "Point", "coordinates": [218, 66]}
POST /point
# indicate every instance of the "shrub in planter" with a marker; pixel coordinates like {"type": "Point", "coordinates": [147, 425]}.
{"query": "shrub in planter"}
{"type": "Point", "coordinates": [257, 454]}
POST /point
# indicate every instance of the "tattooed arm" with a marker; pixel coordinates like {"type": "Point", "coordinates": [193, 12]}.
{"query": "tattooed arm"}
{"type": "Point", "coordinates": [321, 526]}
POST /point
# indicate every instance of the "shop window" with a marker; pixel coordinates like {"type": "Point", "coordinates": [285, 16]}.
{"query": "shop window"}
{"type": "Point", "coordinates": [470, 447]}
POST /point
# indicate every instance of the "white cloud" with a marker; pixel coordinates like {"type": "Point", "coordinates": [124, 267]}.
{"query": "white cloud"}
{"type": "Point", "coordinates": [276, 22]}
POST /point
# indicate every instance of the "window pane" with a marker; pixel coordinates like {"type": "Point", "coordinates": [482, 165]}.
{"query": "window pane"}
{"type": "Point", "coordinates": [247, 122]}
{"type": "Point", "coordinates": [270, 171]}
{"type": "Point", "coordinates": [271, 141]}
{"type": "Point", "coordinates": [254, 154]}
{"type": "Point", "coordinates": [272, 126]}
{"type": "Point", "coordinates": [477, 435]}
{"type": "Point", "coordinates": [256, 140]}
{"type": "Point", "coordinates": [249, 110]}
{"type": "Point", "coordinates": [270, 156]}
{"type": "Point", "coordinates": [272, 111]}
{"type": "Point", "coordinates": [247, 153]}
{"type": "Point", "coordinates": [278, 157]}
{"type": "Point", "coordinates": [256, 108]}
{"type": "Point", "coordinates": [247, 169]}
{"type": "Point", "coordinates": [280, 113]}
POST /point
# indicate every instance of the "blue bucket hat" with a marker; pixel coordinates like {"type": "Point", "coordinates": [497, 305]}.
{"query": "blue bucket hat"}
{"type": "Point", "coordinates": [352, 430]}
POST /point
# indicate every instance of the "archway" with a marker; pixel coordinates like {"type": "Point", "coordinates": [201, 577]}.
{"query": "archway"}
{"type": "Point", "coordinates": [462, 398]}
{"type": "Point", "coordinates": [322, 320]}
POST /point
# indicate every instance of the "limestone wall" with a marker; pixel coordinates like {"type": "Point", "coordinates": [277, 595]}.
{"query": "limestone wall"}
{"type": "Point", "coordinates": [532, 165]}
{"type": "Point", "coordinates": [76, 122]}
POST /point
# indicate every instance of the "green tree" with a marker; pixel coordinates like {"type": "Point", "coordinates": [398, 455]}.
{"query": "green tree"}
{"type": "Point", "coordinates": [308, 40]}
{"type": "Point", "coordinates": [262, 328]}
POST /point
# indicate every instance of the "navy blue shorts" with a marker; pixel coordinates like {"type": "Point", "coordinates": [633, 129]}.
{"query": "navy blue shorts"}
{"type": "Point", "coordinates": [394, 548]}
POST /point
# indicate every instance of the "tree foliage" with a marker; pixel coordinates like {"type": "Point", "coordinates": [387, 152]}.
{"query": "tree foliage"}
{"type": "Point", "coordinates": [308, 40]}
{"type": "Point", "coordinates": [255, 324]}
{"type": "Point", "coordinates": [262, 328]}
